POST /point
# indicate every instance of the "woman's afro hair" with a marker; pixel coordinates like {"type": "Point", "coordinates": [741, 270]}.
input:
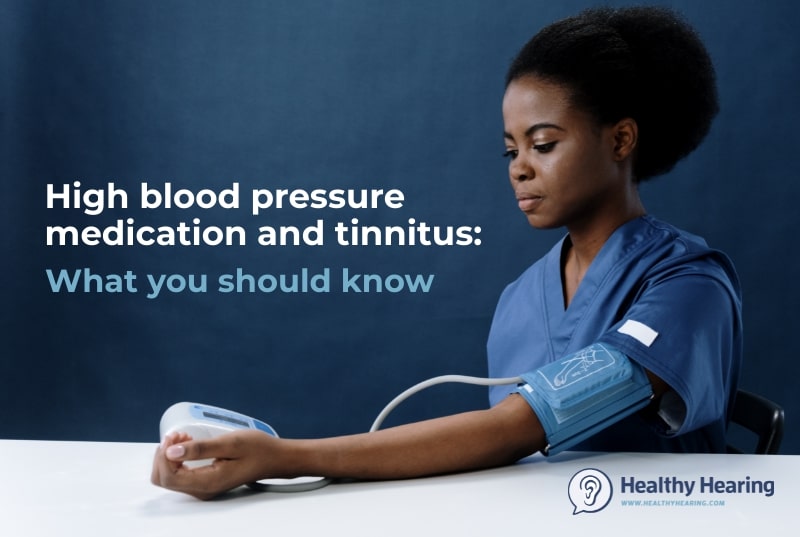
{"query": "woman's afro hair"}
{"type": "Point", "coordinates": [645, 63]}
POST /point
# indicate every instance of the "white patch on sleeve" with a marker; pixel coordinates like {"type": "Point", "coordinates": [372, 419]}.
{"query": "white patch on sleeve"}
{"type": "Point", "coordinates": [639, 331]}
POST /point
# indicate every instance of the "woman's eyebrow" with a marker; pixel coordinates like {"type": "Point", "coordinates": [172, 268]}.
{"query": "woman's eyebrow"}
{"type": "Point", "coordinates": [533, 128]}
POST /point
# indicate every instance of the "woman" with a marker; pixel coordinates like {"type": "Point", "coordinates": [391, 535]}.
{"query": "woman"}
{"type": "Point", "coordinates": [594, 105]}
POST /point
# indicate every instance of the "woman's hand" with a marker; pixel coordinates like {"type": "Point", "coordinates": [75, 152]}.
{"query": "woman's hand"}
{"type": "Point", "coordinates": [239, 457]}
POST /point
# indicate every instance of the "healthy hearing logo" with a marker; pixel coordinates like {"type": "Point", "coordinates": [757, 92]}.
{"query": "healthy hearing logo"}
{"type": "Point", "coordinates": [590, 491]}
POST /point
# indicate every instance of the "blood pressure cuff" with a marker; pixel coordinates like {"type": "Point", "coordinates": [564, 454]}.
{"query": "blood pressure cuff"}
{"type": "Point", "coordinates": [583, 393]}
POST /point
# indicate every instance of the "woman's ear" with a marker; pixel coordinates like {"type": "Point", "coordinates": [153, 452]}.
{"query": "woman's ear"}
{"type": "Point", "coordinates": [626, 135]}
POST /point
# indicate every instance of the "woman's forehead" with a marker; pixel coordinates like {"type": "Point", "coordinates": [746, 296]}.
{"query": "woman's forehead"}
{"type": "Point", "coordinates": [529, 99]}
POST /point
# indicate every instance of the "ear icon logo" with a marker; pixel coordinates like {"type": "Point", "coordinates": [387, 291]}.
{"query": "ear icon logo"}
{"type": "Point", "coordinates": [589, 491]}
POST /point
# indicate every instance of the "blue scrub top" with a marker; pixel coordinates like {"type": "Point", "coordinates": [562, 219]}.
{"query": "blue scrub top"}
{"type": "Point", "coordinates": [660, 295]}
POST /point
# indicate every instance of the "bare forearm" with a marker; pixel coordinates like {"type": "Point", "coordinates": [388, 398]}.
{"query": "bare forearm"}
{"type": "Point", "coordinates": [461, 442]}
{"type": "Point", "coordinates": [456, 443]}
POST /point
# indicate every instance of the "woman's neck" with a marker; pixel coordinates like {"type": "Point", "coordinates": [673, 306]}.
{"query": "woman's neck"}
{"type": "Point", "coordinates": [585, 241]}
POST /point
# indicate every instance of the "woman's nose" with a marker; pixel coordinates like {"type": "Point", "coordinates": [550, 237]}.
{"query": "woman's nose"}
{"type": "Point", "coordinates": [520, 170]}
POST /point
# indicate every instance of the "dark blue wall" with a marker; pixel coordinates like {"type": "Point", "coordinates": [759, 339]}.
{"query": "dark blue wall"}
{"type": "Point", "coordinates": [330, 94]}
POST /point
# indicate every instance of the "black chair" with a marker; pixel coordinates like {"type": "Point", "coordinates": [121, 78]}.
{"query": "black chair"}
{"type": "Point", "coordinates": [762, 417]}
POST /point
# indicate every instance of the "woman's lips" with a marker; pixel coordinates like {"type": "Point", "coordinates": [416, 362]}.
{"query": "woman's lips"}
{"type": "Point", "coordinates": [528, 203]}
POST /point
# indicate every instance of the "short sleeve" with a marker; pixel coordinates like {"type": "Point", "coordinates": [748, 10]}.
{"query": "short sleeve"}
{"type": "Point", "coordinates": [686, 330]}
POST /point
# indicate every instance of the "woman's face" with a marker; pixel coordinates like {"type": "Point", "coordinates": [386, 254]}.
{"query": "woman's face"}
{"type": "Point", "coordinates": [562, 165]}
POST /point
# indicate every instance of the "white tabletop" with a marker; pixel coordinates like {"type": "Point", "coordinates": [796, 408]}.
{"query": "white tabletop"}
{"type": "Point", "coordinates": [88, 489]}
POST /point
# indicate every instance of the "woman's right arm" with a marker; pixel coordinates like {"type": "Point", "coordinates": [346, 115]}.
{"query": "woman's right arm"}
{"type": "Point", "coordinates": [461, 442]}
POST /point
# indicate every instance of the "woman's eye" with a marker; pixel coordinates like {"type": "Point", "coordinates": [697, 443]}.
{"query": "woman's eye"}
{"type": "Point", "coordinates": [544, 148]}
{"type": "Point", "coordinates": [510, 153]}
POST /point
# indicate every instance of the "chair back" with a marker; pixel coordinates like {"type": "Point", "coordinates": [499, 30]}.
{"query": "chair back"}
{"type": "Point", "coordinates": [762, 417]}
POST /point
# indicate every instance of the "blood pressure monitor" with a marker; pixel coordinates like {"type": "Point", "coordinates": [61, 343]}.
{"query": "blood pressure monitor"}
{"type": "Point", "coordinates": [203, 422]}
{"type": "Point", "coordinates": [573, 397]}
